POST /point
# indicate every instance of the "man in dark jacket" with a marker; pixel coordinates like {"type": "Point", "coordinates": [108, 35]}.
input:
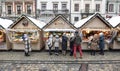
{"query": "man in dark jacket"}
{"type": "Point", "coordinates": [71, 44]}
{"type": "Point", "coordinates": [77, 44]}
{"type": "Point", "coordinates": [101, 43]}
{"type": "Point", "coordinates": [64, 43]}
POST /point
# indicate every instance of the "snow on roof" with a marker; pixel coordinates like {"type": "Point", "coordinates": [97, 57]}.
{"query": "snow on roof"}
{"type": "Point", "coordinates": [5, 22]}
{"type": "Point", "coordinates": [82, 21]}
{"type": "Point", "coordinates": [59, 30]}
{"type": "Point", "coordinates": [39, 23]}
{"type": "Point", "coordinates": [114, 21]}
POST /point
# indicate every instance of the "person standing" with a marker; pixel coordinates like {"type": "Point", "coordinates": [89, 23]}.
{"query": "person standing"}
{"type": "Point", "coordinates": [101, 43]}
{"type": "Point", "coordinates": [64, 43]}
{"type": "Point", "coordinates": [94, 44]}
{"type": "Point", "coordinates": [56, 45]}
{"type": "Point", "coordinates": [27, 44]}
{"type": "Point", "coordinates": [50, 43]}
{"type": "Point", "coordinates": [77, 44]}
{"type": "Point", "coordinates": [71, 44]}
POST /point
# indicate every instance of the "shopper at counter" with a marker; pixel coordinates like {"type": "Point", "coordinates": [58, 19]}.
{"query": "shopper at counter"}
{"type": "Point", "coordinates": [94, 44]}
{"type": "Point", "coordinates": [64, 43]}
{"type": "Point", "coordinates": [101, 43]}
{"type": "Point", "coordinates": [56, 45]}
{"type": "Point", "coordinates": [71, 44]}
{"type": "Point", "coordinates": [50, 43]}
{"type": "Point", "coordinates": [27, 44]}
{"type": "Point", "coordinates": [77, 44]}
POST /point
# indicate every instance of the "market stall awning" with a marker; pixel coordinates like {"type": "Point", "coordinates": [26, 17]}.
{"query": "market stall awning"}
{"type": "Point", "coordinates": [60, 30]}
{"type": "Point", "coordinates": [19, 30]}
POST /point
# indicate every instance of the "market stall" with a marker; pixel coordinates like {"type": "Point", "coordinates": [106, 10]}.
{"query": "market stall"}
{"type": "Point", "coordinates": [4, 42]}
{"type": "Point", "coordinates": [115, 22]}
{"type": "Point", "coordinates": [58, 25]}
{"type": "Point", "coordinates": [29, 26]}
{"type": "Point", "coordinates": [91, 25]}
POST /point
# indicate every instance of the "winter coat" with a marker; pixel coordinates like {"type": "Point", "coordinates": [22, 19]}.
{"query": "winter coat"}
{"type": "Point", "coordinates": [77, 40]}
{"type": "Point", "coordinates": [57, 42]}
{"type": "Point", "coordinates": [27, 44]}
{"type": "Point", "coordinates": [64, 42]}
{"type": "Point", "coordinates": [101, 42]}
{"type": "Point", "coordinates": [94, 43]}
{"type": "Point", "coordinates": [50, 42]}
{"type": "Point", "coordinates": [71, 42]}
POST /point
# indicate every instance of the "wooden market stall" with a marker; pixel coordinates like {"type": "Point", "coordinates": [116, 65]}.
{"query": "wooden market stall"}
{"type": "Point", "coordinates": [91, 25]}
{"type": "Point", "coordinates": [30, 26]}
{"type": "Point", "coordinates": [115, 22]}
{"type": "Point", "coordinates": [58, 25]}
{"type": "Point", "coordinates": [4, 42]}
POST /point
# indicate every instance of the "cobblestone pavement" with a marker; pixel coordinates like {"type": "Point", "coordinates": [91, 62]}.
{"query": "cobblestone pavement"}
{"type": "Point", "coordinates": [41, 61]}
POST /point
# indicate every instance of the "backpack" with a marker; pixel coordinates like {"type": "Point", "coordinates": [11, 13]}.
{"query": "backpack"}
{"type": "Point", "coordinates": [77, 40]}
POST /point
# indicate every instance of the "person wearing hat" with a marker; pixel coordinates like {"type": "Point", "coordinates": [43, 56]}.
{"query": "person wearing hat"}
{"type": "Point", "coordinates": [77, 44]}
{"type": "Point", "coordinates": [56, 45]}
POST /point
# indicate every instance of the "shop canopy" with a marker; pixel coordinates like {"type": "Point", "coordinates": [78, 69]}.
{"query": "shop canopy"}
{"type": "Point", "coordinates": [59, 23]}
{"type": "Point", "coordinates": [60, 30]}
{"type": "Point", "coordinates": [95, 22]}
{"type": "Point", "coordinates": [36, 22]}
{"type": "Point", "coordinates": [114, 21]}
{"type": "Point", "coordinates": [5, 23]}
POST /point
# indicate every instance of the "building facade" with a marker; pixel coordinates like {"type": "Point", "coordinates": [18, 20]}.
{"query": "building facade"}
{"type": "Point", "coordinates": [14, 8]}
{"type": "Point", "coordinates": [84, 8]}
{"type": "Point", "coordinates": [112, 8]}
{"type": "Point", "coordinates": [48, 9]}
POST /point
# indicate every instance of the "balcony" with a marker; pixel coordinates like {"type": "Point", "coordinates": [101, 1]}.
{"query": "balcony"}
{"type": "Point", "coordinates": [87, 11]}
{"type": "Point", "coordinates": [51, 12]}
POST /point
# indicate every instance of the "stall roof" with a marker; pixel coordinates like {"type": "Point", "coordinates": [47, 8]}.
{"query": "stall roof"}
{"type": "Point", "coordinates": [82, 22]}
{"type": "Point", "coordinates": [5, 23]}
{"type": "Point", "coordinates": [36, 22]}
{"type": "Point", "coordinates": [59, 16]}
{"type": "Point", "coordinates": [114, 21]}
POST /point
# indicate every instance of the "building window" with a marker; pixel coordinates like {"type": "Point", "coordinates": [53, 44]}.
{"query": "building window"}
{"type": "Point", "coordinates": [64, 6]}
{"type": "Point", "coordinates": [55, 6]}
{"type": "Point", "coordinates": [9, 9]}
{"type": "Point", "coordinates": [119, 8]}
{"type": "Point", "coordinates": [97, 7]}
{"type": "Point", "coordinates": [76, 18]}
{"type": "Point", "coordinates": [111, 7]}
{"type": "Point", "coordinates": [76, 7]}
{"type": "Point", "coordinates": [87, 7]}
{"type": "Point", "coordinates": [29, 9]}
{"type": "Point", "coordinates": [19, 9]}
{"type": "Point", "coordinates": [43, 6]}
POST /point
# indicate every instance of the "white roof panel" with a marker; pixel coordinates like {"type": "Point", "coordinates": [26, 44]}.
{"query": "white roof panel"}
{"type": "Point", "coordinates": [5, 23]}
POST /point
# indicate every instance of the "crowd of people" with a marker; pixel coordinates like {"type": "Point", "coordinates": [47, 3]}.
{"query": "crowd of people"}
{"type": "Point", "coordinates": [96, 42]}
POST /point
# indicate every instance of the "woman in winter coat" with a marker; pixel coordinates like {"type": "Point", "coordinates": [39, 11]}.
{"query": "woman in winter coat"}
{"type": "Point", "coordinates": [101, 43]}
{"type": "Point", "coordinates": [64, 44]}
{"type": "Point", "coordinates": [50, 43]}
{"type": "Point", "coordinates": [94, 44]}
{"type": "Point", "coordinates": [56, 45]}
